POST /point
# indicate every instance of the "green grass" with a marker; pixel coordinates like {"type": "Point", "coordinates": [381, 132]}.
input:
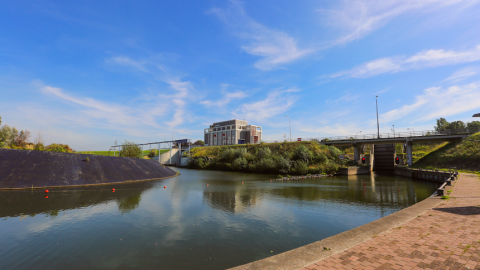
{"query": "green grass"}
{"type": "Point", "coordinates": [107, 153]}
{"type": "Point", "coordinates": [464, 155]}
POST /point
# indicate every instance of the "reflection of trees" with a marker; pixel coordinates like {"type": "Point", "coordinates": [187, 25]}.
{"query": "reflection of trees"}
{"type": "Point", "coordinates": [236, 201]}
{"type": "Point", "coordinates": [17, 203]}
{"type": "Point", "coordinates": [128, 204]}
{"type": "Point", "coordinates": [366, 190]}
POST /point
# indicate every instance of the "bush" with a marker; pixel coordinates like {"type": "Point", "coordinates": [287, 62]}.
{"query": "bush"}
{"type": "Point", "coordinates": [64, 148]}
{"type": "Point", "coordinates": [301, 167]}
{"type": "Point", "coordinates": [39, 147]}
{"type": "Point", "coordinates": [152, 153]}
{"type": "Point", "coordinates": [239, 164]}
{"type": "Point", "coordinates": [130, 149]}
{"type": "Point", "coordinates": [302, 153]}
{"type": "Point", "coordinates": [264, 152]}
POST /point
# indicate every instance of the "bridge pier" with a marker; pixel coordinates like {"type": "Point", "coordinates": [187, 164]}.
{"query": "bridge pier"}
{"type": "Point", "coordinates": [409, 151]}
{"type": "Point", "coordinates": [357, 148]}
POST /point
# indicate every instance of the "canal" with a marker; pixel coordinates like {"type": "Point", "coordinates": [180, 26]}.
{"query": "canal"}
{"type": "Point", "coordinates": [201, 220]}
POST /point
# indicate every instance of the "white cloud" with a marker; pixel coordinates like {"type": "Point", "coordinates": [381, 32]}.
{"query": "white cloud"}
{"type": "Point", "coordinates": [277, 102]}
{"type": "Point", "coordinates": [127, 61]}
{"type": "Point", "coordinates": [436, 102]}
{"type": "Point", "coordinates": [462, 74]}
{"type": "Point", "coordinates": [356, 19]}
{"type": "Point", "coordinates": [275, 47]}
{"type": "Point", "coordinates": [424, 59]}
{"type": "Point", "coordinates": [227, 97]}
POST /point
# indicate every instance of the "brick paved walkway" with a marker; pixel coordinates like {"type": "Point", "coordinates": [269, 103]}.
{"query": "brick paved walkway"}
{"type": "Point", "coordinates": [445, 237]}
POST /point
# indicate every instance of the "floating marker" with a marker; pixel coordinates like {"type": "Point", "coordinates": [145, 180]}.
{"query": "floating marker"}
{"type": "Point", "coordinates": [165, 187]}
{"type": "Point", "coordinates": [46, 197]}
{"type": "Point", "coordinates": [46, 190]}
{"type": "Point", "coordinates": [207, 185]}
{"type": "Point", "coordinates": [242, 182]}
{"type": "Point", "coordinates": [113, 190]}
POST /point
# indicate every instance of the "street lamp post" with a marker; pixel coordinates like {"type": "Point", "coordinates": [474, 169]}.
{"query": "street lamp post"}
{"type": "Point", "coordinates": [290, 126]}
{"type": "Point", "coordinates": [357, 134]}
{"type": "Point", "coordinates": [393, 129]}
{"type": "Point", "coordinates": [378, 125]}
{"type": "Point", "coordinates": [412, 130]}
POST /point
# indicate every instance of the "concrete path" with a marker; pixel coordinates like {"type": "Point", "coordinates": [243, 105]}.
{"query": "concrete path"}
{"type": "Point", "coordinates": [445, 237]}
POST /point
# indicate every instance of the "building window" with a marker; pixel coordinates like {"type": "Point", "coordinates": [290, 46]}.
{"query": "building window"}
{"type": "Point", "coordinates": [223, 128]}
{"type": "Point", "coordinates": [228, 127]}
{"type": "Point", "coordinates": [259, 128]}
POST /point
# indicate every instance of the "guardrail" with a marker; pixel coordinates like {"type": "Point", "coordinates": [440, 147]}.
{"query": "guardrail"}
{"type": "Point", "coordinates": [423, 133]}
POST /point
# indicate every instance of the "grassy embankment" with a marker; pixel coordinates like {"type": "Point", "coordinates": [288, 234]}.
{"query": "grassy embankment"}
{"type": "Point", "coordinates": [106, 153]}
{"type": "Point", "coordinates": [464, 155]}
{"type": "Point", "coordinates": [296, 158]}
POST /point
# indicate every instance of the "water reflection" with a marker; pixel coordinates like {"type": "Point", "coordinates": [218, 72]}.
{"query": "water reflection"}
{"type": "Point", "coordinates": [190, 225]}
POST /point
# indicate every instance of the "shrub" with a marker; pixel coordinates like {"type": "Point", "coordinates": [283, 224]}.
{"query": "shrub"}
{"type": "Point", "coordinates": [152, 153]}
{"type": "Point", "coordinates": [130, 149]}
{"type": "Point", "coordinates": [64, 148]}
{"type": "Point", "coordinates": [239, 164]}
{"type": "Point", "coordinates": [302, 153]}
{"type": "Point", "coordinates": [301, 167]}
{"type": "Point", "coordinates": [39, 147]}
{"type": "Point", "coordinates": [264, 152]}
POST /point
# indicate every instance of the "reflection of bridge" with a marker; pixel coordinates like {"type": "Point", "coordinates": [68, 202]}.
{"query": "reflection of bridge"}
{"type": "Point", "coordinates": [407, 138]}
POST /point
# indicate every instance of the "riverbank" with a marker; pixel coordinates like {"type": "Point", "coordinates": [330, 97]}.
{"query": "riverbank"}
{"type": "Point", "coordinates": [433, 234]}
{"type": "Point", "coordinates": [293, 158]}
{"type": "Point", "coordinates": [20, 169]}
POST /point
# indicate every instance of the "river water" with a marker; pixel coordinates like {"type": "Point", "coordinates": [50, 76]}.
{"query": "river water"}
{"type": "Point", "coordinates": [189, 225]}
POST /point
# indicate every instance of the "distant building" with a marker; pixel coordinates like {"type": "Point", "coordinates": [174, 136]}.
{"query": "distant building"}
{"type": "Point", "coordinates": [476, 115]}
{"type": "Point", "coordinates": [232, 132]}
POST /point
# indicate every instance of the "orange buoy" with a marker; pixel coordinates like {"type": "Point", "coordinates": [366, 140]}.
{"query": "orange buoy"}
{"type": "Point", "coordinates": [46, 190]}
{"type": "Point", "coordinates": [113, 190]}
{"type": "Point", "coordinates": [165, 187]}
{"type": "Point", "coordinates": [207, 185]}
{"type": "Point", "coordinates": [242, 182]}
{"type": "Point", "coordinates": [46, 197]}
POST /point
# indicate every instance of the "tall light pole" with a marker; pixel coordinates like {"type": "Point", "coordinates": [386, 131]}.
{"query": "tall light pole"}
{"type": "Point", "coordinates": [290, 127]}
{"type": "Point", "coordinates": [393, 129]}
{"type": "Point", "coordinates": [412, 130]}
{"type": "Point", "coordinates": [378, 125]}
{"type": "Point", "coordinates": [357, 134]}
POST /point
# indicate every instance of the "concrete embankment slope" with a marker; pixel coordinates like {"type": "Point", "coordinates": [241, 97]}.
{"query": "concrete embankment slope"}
{"type": "Point", "coordinates": [24, 169]}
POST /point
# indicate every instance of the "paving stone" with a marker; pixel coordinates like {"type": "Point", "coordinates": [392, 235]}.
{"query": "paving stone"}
{"type": "Point", "coordinates": [445, 237]}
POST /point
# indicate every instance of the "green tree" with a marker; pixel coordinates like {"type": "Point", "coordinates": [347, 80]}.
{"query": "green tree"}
{"type": "Point", "coordinates": [442, 124]}
{"type": "Point", "coordinates": [130, 149]}
{"type": "Point", "coordinates": [474, 125]}
{"type": "Point", "coordinates": [5, 135]}
{"type": "Point", "coordinates": [199, 142]}
{"type": "Point", "coordinates": [456, 125]}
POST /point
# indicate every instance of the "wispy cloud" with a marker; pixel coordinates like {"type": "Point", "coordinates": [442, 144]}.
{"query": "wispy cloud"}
{"type": "Point", "coordinates": [275, 47]}
{"type": "Point", "coordinates": [226, 98]}
{"type": "Point", "coordinates": [462, 74]}
{"type": "Point", "coordinates": [421, 60]}
{"type": "Point", "coordinates": [436, 102]}
{"type": "Point", "coordinates": [356, 19]}
{"type": "Point", "coordinates": [277, 102]}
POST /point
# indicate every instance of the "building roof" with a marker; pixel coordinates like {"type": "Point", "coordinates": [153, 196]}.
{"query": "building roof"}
{"type": "Point", "coordinates": [476, 115]}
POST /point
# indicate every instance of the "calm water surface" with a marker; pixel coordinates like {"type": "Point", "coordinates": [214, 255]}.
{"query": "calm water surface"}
{"type": "Point", "coordinates": [190, 225]}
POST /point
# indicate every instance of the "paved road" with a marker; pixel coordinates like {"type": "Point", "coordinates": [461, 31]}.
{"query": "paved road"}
{"type": "Point", "coordinates": [445, 237]}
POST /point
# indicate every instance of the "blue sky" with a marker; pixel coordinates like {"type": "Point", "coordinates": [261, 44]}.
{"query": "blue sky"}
{"type": "Point", "coordinates": [87, 73]}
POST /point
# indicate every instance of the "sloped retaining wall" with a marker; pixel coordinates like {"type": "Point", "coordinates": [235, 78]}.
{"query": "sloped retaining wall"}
{"type": "Point", "coordinates": [439, 176]}
{"type": "Point", "coordinates": [24, 169]}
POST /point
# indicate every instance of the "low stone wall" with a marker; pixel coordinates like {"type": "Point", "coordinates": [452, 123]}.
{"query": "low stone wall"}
{"type": "Point", "coordinates": [355, 170]}
{"type": "Point", "coordinates": [39, 169]}
{"type": "Point", "coordinates": [439, 176]}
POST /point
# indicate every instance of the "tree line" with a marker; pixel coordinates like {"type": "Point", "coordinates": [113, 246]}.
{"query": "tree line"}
{"type": "Point", "coordinates": [443, 124]}
{"type": "Point", "coordinates": [12, 138]}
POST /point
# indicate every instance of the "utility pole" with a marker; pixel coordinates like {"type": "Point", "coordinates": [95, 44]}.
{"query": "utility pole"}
{"type": "Point", "coordinates": [290, 127]}
{"type": "Point", "coordinates": [378, 125]}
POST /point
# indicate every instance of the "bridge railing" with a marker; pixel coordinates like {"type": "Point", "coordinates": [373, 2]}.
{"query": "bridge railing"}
{"type": "Point", "coordinates": [413, 133]}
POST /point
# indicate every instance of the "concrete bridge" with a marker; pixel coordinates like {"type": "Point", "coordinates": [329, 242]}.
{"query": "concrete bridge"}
{"type": "Point", "coordinates": [406, 138]}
